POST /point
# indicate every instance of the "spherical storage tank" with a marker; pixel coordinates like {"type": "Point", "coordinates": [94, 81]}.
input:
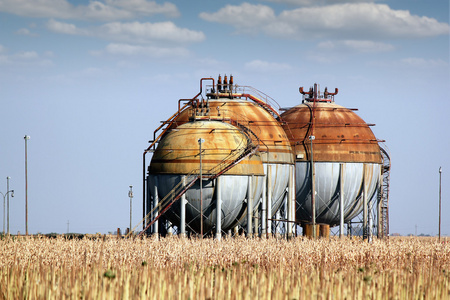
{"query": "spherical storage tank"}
{"type": "Point", "coordinates": [177, 155]}
{"type": "Point", "coordinates": [248, 107]}
{"type": "Point", "coordinates": [343, 150]}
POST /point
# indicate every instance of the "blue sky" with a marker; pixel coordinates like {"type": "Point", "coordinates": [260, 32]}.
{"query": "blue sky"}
{"type": "Point", "coordinates": [89, 81]}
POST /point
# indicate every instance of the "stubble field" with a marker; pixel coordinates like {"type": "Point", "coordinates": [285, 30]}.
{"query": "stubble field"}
{"type": "Point", "coordinates": [238, 268]}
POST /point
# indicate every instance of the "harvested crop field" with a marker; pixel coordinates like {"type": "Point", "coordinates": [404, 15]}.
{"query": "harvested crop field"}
{"type": "Point", "coordinates": [239, 268]}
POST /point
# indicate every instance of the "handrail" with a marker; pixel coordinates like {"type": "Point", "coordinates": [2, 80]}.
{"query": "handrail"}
{"type": "Point", "coordinates": [155, 140]}
{"type": "Point", "coordinates": [258, 101]}
{"type": "Point", "coordinates": [169, 122]}
{"type": "Point", "coordinates": [216, 171]}
{"type": "Point", "coordinates": [166, 204]}
{"type": "Point", "coordinates": [166, 198]}
{"type": "Point", "coordinates": [169, 204]}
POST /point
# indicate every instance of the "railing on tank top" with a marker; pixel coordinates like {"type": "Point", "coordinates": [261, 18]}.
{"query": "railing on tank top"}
{"type": "Point", "coordinates": [241, 91]}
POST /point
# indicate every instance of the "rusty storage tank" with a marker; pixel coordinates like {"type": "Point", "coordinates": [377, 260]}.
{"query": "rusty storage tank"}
{"type": "Point", "coordinates": [344, 154]}
{"type": "Point", "coordinates": [249, 107]}
{"type": "Point", "coordinates": [223, 146]}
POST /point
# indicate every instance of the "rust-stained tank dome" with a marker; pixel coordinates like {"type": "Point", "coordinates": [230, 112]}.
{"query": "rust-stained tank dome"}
{"type": "Point", "coordinates": [222, 144]}
{"type": "Point", "coordinates": [274, 145]}
{"type": "Point", "coordinates": [337, 158]}
{"type": "Point", "coordinates": [248, 107]}
{"type": "Point", "coordinates": [178, 151]}
{"type": "Point", "coordinates": [340, 134]}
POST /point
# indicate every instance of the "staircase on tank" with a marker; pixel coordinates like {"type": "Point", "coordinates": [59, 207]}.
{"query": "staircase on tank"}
{"type": "Point", "coordinates": [180, 189]}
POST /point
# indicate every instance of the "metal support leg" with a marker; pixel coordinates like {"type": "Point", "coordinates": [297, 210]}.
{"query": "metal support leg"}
{"type": "Point", "coordinates": [370, 221]}
{"type": "Point", "coordinates": [370, 218]}
{"type": "Point", "coordinates": [250, 207]}
{"type": "Point", "coordinates": [183, 210]}
{"type": "Point", "coordinates": [264, 210]}
{"type": "Point", "coordinates": [269, 200]}
{"type": "Point", "coordinates": [341, 202]}
{"type": "Point", "coordinates": [256, 222]}
{"type": "Point", "coordinates": [365, 205]}
{"type": "Point", "coordinates": [278, 223]}
{"type": "Point", "coordinates": [219, 209]}
{"type": "Point", "coordinates": [293, 202]}
{"type": "Point", "coordinates": [149, 204]}
{"type": "Point", "coordinates": [290, 206]}
{"type": "Point", "coordinates": [155, 205]}
{"type": "Point", "coordinates": [313, 197]}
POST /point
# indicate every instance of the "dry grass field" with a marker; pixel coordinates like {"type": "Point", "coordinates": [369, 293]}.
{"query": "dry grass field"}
{"type": "Point", "coordinates": [175, 268]}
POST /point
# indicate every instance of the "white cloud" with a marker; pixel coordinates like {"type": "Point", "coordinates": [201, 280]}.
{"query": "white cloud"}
{"type": "Point", "coordinates": [264, 66]}
{"type": "Point", "coordinates": [209, 62]}
{"type": "Point", "coordinates": [368, 46]}
{"type": "Point", "coordinates": [65, 28]}
{"type": "Point", "coordinates": [25, 31]}
{"type": "Point", "coordinates": [293, 2]}
{"type": "Point", "coordinates": [126, 64]}
{"type": "Point", "coordinates": [26, 55]}
{"type": "Point", "coordinates": [346, 21]}
{"type": "Point", "coordinates": [150, 51]}
{"type": "Point", "coordinates": [408, 64]}
{"type": "Point", "coordinates": [356, 45]}
{"type": "Point", "coordinates": [323, 59]}
{"type": "Point", "coordinates": [23, 58]}
{"type": "Point", "coordinates": [37, 8]}
{"type": "Point", "coordinates": [134, 32]}
{"type": "Point", "coordinates": [91, 71]}
{"type": "Point", "coordinates": [145, 32]}
{"type": "Point", "coordinates": [97, 10]}
{"type": "Point", "coordinates": [422, 62]}
{"type": "Point", "coordinates": [246, 17]}
{"type": "Point", "coordinates": [317, 2]}
{"type": "Point", "coordinates": [144, 7]}
{"type": "Point", "coordinates": [105, 10]}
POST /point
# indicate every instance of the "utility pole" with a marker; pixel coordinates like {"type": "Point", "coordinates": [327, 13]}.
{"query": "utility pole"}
{"type": "Point", "coordinates": [26, 138]}
{"type": "Point", "coordinates": [440, 177]}
{"type": "Point", "coordinates": [4, 196]}
{"type": "Point", "coordinates": [3, 231]}
{"type": "Point", "coordinates": [130, 194]}
{"type": "Point", "coordinates": [7, 203]}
